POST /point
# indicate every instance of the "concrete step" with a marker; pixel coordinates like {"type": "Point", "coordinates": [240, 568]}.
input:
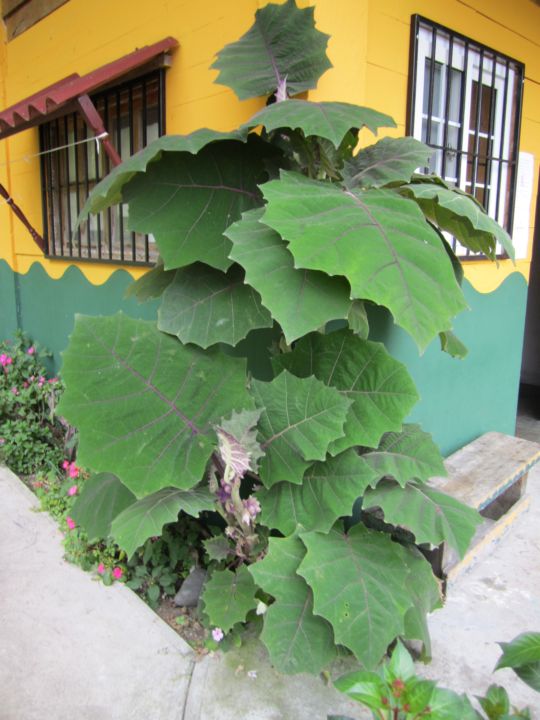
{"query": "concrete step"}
{"type": "Point", "coordinates": [489, 474]}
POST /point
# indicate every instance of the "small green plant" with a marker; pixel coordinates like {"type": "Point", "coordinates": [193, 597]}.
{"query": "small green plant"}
{"type": "Point", "coordinates": [395, 692]}
{"type": "Point", "coordinates": [31, 436]}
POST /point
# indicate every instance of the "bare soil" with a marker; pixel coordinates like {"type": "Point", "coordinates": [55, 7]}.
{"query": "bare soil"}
{"type": "Point", "coordinates": [184, 621]}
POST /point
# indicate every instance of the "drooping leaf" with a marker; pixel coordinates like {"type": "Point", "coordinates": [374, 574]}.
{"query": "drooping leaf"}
{"type": "Point", "coordinates": [496, 702]}
{"type": "Point", "coordinates": [328, 491]}
{"type": "Point", "coordinates": [205, 306]}
{"type": "Point", "coordinates": [109, 190]}
{"type": "Point", "coordinates": [388, 160]}
{"type": "Point", "coordinates": [522, 654]}
{"type": "Point", "coordinates": [358, 319]}
{"type": "Point", "coordinates": [188, 201]}
{"type": "Point", "coordinates": [426, 593]}
{"type": "Point", "coordinates": [430, 515]}
{"type": "Point", "coordinates": [151, 285]}
{"type": "Point", "coordinates": [145, 405]}
{"type": "Point", "coordinates": [300, 300]}
{"type": "Point", "coordinates": [101, 499]}
{"type": "Point", "coordinates": [218, 548]}
{"type": "Point", "coordinates": [330, 120]}
{"type": "Point", "coordinates": [460, 214]}
{"type": "Point", "coordinates": [378, 240]}
{"type": "Point", "coordinates": [281, 46]}
{"type": "Point", "coordinates": [407, 455]}
{"type": "Point", "coordinates": [297, 640]}
{"type": "Point", "coordinates": [452, 345]}
{"type": "Point", "coordinates": [228, 596]}
{"type": "Point", "coordinates": [364, 687]}
{"type": "Point", "coordinates": [380, 388]}
{"type": "Point", "coordinates": [146, 518]}
{"type": "Point", "coordinates": [359, 585]}
{"type": "Point", "coordinates": [238, 445]}
{"type": "Point", "coordinates": [448, 705]}
{"type": "Point", "coordinates": [299, 420]}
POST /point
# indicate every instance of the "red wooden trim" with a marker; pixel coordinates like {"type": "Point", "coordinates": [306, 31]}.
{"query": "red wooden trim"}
{"type": "Point", "coordinates": [22, 217]}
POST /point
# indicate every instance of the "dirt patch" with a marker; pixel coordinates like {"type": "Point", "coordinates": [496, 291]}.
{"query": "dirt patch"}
{"type": "Point", "coordinates": [185, 622]}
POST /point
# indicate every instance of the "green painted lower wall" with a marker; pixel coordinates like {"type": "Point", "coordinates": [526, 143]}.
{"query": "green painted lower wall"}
{"type": "Point", "coordinates": [460, 399]}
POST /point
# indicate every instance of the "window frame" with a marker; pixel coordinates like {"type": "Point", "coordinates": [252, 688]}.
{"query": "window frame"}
{"type": "Point", "coordinates": [499, 73]}
{"type": "Point", "coordinates": [70, 250]}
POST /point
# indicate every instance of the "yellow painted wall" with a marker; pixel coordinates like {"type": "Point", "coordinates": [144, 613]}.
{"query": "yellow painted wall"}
{"type": "Point", "coordinates": [369, 49]}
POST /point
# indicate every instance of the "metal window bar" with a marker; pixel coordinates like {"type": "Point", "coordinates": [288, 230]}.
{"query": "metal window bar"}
{"type": "Point", "coordinates": [491, 169]}
{"type": "Point", "coordinates": [132, 112]}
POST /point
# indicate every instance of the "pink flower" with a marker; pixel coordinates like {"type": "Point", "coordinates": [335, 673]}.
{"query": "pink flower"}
{"type": "Point", "coordinates": [72, 490]}
{"type": "Point", "coordinates": [5, 360]}
{"type": "Point", "coordinates": [2, 441]}
{"type": "Point", "coordinates": [14, 391]}
{"type": "Point", "coordinates": [101, 568]}
{"type": "Point", "coordinates": [25, 384]}
{"type": "Point", "coordinates": [41, 381]}
{"type": "Point", "coordinates": [70, 522]}
{"type": "Point", "coordinates": [73, 471]}
{"type": "Point", "coordinates": [31, 350]}
{"type": "Point", "coordinates": [117, 573]}
{"type": "Point", "coordinates": [217, 634]}
{"type": "Point", "coordinates": [65, 465]}
{"type": "Point", "coordinates": [52, 381]}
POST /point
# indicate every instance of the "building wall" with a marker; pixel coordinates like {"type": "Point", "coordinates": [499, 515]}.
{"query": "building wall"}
{"type": "Point", "coordinates": [369, 49]}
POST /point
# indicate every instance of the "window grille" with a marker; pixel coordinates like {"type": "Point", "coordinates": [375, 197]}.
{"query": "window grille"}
{"type": "Point", "coordinates": [133, 115]}
{"type": "Point", "coordinates": [465, 103]}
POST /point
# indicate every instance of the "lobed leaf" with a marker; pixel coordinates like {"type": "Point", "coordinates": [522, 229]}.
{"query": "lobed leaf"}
{"type": "Point", "coordinates": [407, 455]}
{"type": "Point", "coordinates": [187, 201]}
{"type": "Point", "coordinates": [389, 160]}
{"type": "Point", "coordinates": [145, 405]}
{"type": "Point", "coordinates": [299, 420]}
{"type": "Point", "coordinates": [364, 687]}
{"type": "Point", "coordinates": [228, 596]}
{"type": "Point", "coordinates": [426, 594]}
{"type": "Point", "coordinates": [150, 285]}
{"type": "Point", "coordinates": [218, 548]}
{"type": "Point", "coordinates": [205, 306]}
{"type": "Point", "coordinates": [359, 585]}
{"type": "Point", "coordinates": [430, 515]}
{"type": "Point", "coordinates": [328, 491]}
{"type": "Point", "coordinates": [282, 45]}
{"type": "Point", "coordinates": [109, 190]}
{"type": "Point", "coordinates": [145, 518]}
{"type": "Point", "coordinates": [315, 297]}
{"type": "Point", "coordinates": [297, 640]}
{"type": "Point", "coordinates": [101, 499]}
{"type": "Point", "coordinates": [329, 120]}
{"type": "Point", "coordinates": [380, 388]}
{"type": "Point", "coordinates": [376, 239]}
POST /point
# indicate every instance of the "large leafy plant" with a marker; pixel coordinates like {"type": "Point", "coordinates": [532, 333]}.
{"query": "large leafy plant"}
{"type": "Point", "coordinates": [248, 399]}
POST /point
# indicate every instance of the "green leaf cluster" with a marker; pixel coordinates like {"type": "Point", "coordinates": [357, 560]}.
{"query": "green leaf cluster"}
{"type": "Point", "coordinates": [275, 240]}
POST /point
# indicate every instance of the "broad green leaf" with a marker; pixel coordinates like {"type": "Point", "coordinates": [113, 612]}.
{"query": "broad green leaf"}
{"type": "Point", "coordinates": [109, 190]}
{"type": "Point", "coordinates": [188, 201]}
{"type": "Point", "coordinates": [448, 705]}
{"type": "Point", "coordinates": [452, 345]}
{"type": "Point", "coordinates": [364, 687]}
{"type": "Point", "coordinates": [238, 445]}
{"type": "Point", "coordinates": [300, 300]}
{"type": "Point", "coordinates": [299, 420]}
{"type": "Point", "coordinates": [218, 548]}
{"type": "Point", "coordinates": [417, 695]}
{"type": "Point", "coordinates": [380, 388]}
{"type": "Point", "coordinates": [400, 665]}
{"type": "Point", "coordinates": [388, 160]}
{"type": "Point", "coordinates": [496, 702]}
{"type": "Point", "coordinates": [426, 593]}
{"type": "Point", "coordinates": [297, 640]}
{"type": "Point", "coordinates": [407, 455]}
{"type": "Point", "coordinates": [358, 319]}
{"type": "Point", "coordinates": [523, 656]}
{"type": "Point", "coordinates": [145, 405]}
{"type": "Point", "coordinates": [146, 518]}
{"type": "Point", "coordinates": [151, 285]}
{"type": "Point", "coordinates": [376, 239]}
{"type": "Point", "coordinates": [359, 585]}
{"type": "Point", "coordinates": [430, 515]}
{"type": "Point", "coordinates": [330, 120]}
{"type": "Point", "coordinates": [205, 306]}
{"type": "Point", "coordinates": [328, 491]}
{"type": "Point", "coordinates": [228, 596]}
{"type": "Point", "coordinates": [102, 498]}
{"type": "Point", "coordinates": [281, 46]}
{"type": "Point", "coordinates": [459, 214]}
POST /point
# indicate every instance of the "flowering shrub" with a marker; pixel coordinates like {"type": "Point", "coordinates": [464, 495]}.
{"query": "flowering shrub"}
{"type": "Point", "coordinates": [31, 436]}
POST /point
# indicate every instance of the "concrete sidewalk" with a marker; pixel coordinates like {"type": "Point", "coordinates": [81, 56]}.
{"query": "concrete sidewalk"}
{"type": "Point", "coordinates": [72, 648]}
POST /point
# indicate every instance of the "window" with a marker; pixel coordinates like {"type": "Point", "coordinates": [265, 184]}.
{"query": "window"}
{"type": "Point", "coordinates": [133, 116]}
{"type": "Point", "coordinates": [465, 102]}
